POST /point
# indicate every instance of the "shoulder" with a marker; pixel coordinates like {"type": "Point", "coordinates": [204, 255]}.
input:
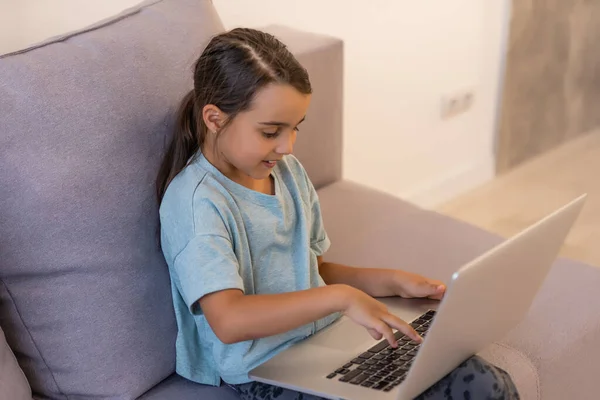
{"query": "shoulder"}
{"type": "Point", "coordinates": [195, 200]}
{"type": "Point", "coordinates": [291, 166]}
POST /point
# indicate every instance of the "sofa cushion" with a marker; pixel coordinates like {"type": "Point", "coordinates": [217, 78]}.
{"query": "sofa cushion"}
{"type": "Point", "coordinates": [13, 384]}
{"type": "Point", "coordinates": [86, 299]}
{"type": "Point", "coordinates": [561, 334]}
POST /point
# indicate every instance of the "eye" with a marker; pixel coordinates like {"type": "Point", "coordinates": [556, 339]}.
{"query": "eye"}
{"type": "Point", "coordinates": [271, 135]}
{"type": "Point", "coordinates": [297, 129]}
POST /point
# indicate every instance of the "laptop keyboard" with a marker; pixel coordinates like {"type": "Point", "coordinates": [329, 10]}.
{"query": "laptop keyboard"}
{"type": "Point", "coordinates": [383, 367]}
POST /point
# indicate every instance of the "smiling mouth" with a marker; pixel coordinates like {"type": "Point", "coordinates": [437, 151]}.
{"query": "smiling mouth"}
{"type": "Point", "coordinates": [270, 163]}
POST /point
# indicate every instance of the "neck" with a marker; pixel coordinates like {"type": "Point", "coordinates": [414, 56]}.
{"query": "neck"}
{"type": "Point", "coordinates": [220, 162]}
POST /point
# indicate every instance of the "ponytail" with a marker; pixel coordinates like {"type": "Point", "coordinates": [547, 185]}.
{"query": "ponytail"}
{"type": "Point", "coordinates": [186, 141]}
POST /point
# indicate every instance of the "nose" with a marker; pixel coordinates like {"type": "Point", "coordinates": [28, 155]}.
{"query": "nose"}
{"type": "Point", "coordinates": [286, 146]}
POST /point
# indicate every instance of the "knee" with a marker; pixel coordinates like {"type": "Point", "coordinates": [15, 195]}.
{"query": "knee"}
{"type": "Point", "coordinates": [476, 378]}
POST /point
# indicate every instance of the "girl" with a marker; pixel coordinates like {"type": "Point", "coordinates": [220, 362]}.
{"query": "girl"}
{"type": "Point", "coordinates": [243, 236]}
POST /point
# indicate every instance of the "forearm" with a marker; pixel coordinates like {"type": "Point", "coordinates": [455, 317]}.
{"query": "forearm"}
{"type": "Point", "coordinates": [251, 317]}
{"type": "Point", "coordinates": [376, 282]}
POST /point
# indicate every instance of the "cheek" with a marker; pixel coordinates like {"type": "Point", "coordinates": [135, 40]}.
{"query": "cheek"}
{"type": "Point", "coordinates": [246, 146]}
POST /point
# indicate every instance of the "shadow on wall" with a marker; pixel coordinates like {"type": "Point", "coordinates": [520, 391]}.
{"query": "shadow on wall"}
{"type": "Point", "coordinates": [552, 83]}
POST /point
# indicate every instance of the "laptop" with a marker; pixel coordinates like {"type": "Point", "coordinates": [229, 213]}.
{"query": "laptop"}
{"type": "Point", "coordinates": [484, 300]}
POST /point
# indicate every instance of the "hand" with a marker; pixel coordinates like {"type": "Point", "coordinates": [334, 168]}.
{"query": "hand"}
{"type": "Point", "coordinates": [409, 285]}
{"type": "Point", "coordinates": [374, 315]}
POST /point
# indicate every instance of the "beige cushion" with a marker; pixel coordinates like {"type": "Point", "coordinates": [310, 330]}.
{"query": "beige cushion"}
{"type": "Point", "coordinates": [13, 384]}
{"type": "Point", "coordinates": [518, 366]}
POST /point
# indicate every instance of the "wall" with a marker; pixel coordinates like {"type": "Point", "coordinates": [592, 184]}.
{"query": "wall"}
{"type": "Point", "coordinates": [552, 78]}
{"type": "Point", "coordinates": [401, 57]}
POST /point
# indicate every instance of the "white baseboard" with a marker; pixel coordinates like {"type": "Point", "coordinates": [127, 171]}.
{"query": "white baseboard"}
{"type": "Point", "coordinates": [452, 184]}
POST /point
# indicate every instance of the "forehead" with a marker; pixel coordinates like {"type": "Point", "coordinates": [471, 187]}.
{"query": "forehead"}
{"type": "Point", "coordinates": [279, 102]}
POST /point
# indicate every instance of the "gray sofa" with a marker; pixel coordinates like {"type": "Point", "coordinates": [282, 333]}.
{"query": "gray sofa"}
{"type": "Point", "coordinates": [84, 291]}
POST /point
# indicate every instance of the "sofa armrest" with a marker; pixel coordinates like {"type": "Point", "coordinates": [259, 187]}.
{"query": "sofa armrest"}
{"type": "Point", "coordinates": [319, 144]}
{"type": "Point", "coordinates": [13, 384]}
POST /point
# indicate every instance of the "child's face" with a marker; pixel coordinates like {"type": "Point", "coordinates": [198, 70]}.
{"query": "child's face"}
{"type": "Point", "coordinates": [257, 138]}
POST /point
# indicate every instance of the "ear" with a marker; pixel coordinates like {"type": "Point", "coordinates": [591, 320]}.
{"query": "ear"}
{"type": "Point", "coordinates": [213, 117]}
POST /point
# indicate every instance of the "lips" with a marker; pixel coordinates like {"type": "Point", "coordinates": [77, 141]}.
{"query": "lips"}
{"type": "Point", "coordinates": [270, 163]}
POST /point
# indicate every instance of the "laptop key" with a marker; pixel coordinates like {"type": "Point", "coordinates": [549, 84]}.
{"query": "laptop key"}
{"type": "Point", "coordinates": [363, 367]}
{"type": "Point", "coordinates": [359, 379]}
{"type": "Point", "coordinates": [348, 365]}
{"type": "Point", "coordinates": [358, 361]}
{"type": "Point", "coordinates": [367, 383]}
{"type": "Point", "coordinates": [350, 375]}
{"type": "Point", "coordinates": [331, 375]}
{"type": "Point", "coordinates": [342, 371]}
{"type": "Point", "coordinates": [380, 385]}
{"type": "Point", "coordinates": [379, 346]}
{"type": "Point", "coordinates": [366, 355]}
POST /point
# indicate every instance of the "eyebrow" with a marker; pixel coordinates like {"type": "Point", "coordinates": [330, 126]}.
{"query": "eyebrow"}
{"type": "Point", "coordinates": [277, 123]}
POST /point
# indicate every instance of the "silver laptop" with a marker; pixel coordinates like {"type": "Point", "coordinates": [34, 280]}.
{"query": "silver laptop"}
{"type": "Point", "coordinates": [484, 300]}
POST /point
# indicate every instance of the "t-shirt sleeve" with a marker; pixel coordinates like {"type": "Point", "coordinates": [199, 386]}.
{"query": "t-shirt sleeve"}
{"type": "Point", "coordinates": [207, 263]}
{"type": "Point", "coordinates": [319, 240]}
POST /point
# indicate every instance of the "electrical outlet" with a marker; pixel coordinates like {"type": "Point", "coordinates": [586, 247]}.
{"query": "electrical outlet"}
{"type": "Point", "coordinates": [456, 103]}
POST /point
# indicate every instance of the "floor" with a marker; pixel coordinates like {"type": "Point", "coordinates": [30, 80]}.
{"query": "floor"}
{"type": "Point", "coordinates": [518, 198]}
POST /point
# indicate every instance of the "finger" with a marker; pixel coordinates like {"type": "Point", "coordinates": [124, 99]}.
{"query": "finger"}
{"type": "Point", "coordinates": [374, 334]}
{"type": "Point", "coordinates": [403, 327]}
{"type": "Point", "coordinates": [438, 292]}
{"type": "Point", "coordinates": [387, 332]}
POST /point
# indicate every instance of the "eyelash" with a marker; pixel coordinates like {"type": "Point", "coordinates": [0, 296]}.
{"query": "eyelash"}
{"type": "Point", "coordinates": [276, 133]}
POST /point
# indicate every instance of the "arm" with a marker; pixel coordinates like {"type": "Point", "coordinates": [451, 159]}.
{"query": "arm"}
{"type": "Point", "coordinates": [380, 282]}
{"type": "Point", "coordinates": [235, 317]}
{"type": "Point", "coordinates": [376, 282]}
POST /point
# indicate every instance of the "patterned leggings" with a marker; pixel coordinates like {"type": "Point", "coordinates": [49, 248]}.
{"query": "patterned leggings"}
{"type": "Point", "coordinates": [474, 379]}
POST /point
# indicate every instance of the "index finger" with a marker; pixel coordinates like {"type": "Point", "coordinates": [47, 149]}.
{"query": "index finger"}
{"type": "Point", "coordinates": [403, 327]}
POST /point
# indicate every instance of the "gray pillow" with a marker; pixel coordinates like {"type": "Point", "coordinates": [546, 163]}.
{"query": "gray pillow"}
{"type": "Point", "coordinates": [86, 301]}
{"type": "Point", "coordinates": [13, 384]}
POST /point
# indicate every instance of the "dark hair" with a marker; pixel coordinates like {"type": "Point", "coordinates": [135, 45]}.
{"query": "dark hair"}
{"type": "Point", "coordinates": [230, 71]}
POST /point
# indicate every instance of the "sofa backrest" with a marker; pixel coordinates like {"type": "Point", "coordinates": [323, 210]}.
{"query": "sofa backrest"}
{"type": "Point", "coordinates": [84, 293]}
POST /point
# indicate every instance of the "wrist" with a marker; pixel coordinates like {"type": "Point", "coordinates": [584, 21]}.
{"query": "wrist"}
{"type": "Point", "coordinates": [342, 295]}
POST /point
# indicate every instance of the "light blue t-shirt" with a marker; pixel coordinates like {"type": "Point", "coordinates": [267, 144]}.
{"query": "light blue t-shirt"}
{"type": "Point", "coordinates": [216, 235]}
